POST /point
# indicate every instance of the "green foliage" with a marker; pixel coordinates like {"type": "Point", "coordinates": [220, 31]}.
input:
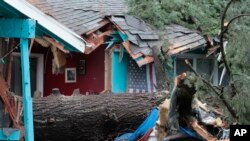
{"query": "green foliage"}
{"type": "Point", "coordinates": [204, 14]}
{"type": "Point", "coordinates": [238, 56]}
{"type": "Point", "coordinates": [190, 13]}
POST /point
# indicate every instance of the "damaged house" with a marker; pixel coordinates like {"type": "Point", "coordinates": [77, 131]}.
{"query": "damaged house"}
{"type": "Point", "coordinates": [94, 46]}
{"type": "Point", "coordinates": [188, 44]}
{"type": "Point", "coordinates": [118, 57]}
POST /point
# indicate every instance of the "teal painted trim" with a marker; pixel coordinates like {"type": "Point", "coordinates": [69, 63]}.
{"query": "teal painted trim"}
{"type": "Point", "coordinates": [67, 46]}
{"type": "Point", "coordinates": [9, 11]}
{"type": "Point", "coordinates": [119, 73]}
{"type": "Point", "coordinates": [27, 100]}
{"type": "Point", "coordinates": [17, 28]}
{"type": "Point", "coordinates": [14, 136]}
{"type": "Point", "coordinates": [139, 59]}
{"type": "Point", "coordinates": [123, 36]}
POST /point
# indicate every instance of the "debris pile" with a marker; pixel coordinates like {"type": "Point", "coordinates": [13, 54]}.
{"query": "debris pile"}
{"type": "Point", "coordinates": [183, 117]}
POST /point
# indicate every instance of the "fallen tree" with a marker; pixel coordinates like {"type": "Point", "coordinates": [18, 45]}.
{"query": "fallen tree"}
{"type": "Point", "coordinates": [93, 117]}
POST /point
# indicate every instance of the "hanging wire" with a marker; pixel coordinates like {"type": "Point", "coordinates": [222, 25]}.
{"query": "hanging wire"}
{"type": "Point", "coordinates": [7, 54]}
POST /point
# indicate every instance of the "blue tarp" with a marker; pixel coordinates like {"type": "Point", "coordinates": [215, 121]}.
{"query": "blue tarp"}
{"type": "Point", "coordinates": [142, 129]}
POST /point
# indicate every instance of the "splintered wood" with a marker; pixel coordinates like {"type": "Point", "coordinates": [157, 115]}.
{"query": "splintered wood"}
{"type": "Point", "coordinates": [59, 60]}
{"type": "Point", "coordinates": [202, 132]}
{"type": "Point", "coordinates": [162, 122]}
{"type": "Point", "coordinates": [7, 102]}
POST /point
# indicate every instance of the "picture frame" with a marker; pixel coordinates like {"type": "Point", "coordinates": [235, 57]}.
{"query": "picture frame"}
{"type": "Point", "coordinates": [81, 67]}
{"type": "Point", "coordinates": [70, 75]}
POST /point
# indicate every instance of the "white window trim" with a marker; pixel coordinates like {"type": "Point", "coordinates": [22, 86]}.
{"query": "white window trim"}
{"type": "Point", "coordinates": [40, 69]}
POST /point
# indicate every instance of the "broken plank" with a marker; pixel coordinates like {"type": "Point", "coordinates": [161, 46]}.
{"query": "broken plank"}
{"type": "Point", "coordinates": [101, 24]}
{"type": "Point", "coordinates": [202, 132]}
{"type": "Point", "coordinates": [56, 44]}
{"type": "Point", "coordinates": [96, 40]}
{"type": "Point", "coordinates": [145, 60]}
{"type": "Point", "coordinates": [42, 41]}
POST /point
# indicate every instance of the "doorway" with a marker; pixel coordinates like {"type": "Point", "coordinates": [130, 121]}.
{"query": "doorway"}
{"type": "Point", "coordinates": [36, 74]}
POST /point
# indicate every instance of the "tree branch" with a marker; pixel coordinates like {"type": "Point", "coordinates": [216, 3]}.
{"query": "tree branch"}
{"type": "Point", "coordinates": [222, 36]}
{"type": "Point", "coordinates": [233, 19]}
{"type": "Point", "coordinates": [221, 96]}
{"type": "Point", "coordinates": [223, 31]}
{"type": "Point", "coordinates": [224, 58]}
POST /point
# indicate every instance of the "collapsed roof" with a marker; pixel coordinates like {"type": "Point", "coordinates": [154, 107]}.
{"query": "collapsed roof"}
{"type": "Point", "coordinates": [81, 15]}
{"type": "Point", "coordinates": [86, 17]}
{"type": "Point", "coordinates": [182, 39]}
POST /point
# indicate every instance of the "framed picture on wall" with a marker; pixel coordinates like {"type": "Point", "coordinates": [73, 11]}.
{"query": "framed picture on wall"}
{"type": "Point", "coordinates": [70, 75]}
{"type": "Point", "coordinates": [81, 67]}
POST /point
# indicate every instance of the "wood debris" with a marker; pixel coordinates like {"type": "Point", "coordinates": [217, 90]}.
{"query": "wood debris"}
{"type": "Point", "coordinates": [188, 114]}
{"type": "Point", "coordinates": [163, 118]}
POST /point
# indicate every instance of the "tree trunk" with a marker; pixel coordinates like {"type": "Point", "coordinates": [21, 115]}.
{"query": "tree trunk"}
{"type": "Point", "coordinates": [93, 117]}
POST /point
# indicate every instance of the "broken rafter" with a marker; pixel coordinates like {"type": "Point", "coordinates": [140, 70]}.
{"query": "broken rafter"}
{"type": "Point", "coordinates": [55, 44]}
{"type": "Point", "coordinates": [42, 41]}
{"type": "Point", "coordinates": [96, 40]}
{"type": "Point", "coordinates": [101, 24]}
{"type": "Point", "coordinates": [126, 44]}
{"type": "Point", "coordinates": [145, 60]}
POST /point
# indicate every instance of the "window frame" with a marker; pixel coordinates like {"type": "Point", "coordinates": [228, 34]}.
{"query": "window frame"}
{"type": "Point", "coordinates": [194, 57]}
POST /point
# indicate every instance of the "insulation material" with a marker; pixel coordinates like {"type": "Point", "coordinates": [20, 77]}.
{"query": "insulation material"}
{"type": "Point", "coordinates": [59, 61]}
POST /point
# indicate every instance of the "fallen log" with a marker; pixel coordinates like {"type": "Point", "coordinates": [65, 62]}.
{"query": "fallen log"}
{"type": "Point", "coordinates": [93, 117]}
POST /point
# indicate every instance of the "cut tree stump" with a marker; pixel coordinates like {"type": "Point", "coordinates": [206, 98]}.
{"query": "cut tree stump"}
{"type": "Point", "coordinates": [93, 117]}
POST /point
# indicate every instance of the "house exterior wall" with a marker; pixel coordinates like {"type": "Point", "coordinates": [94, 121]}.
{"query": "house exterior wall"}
{"type": "Point", "coordinates": [206, 66]}
{"type": "Point", "coordinates": [91, 81]}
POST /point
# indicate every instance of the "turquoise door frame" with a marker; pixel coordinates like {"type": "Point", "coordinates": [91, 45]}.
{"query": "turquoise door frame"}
{"type": "Point", "coordinates": [119, 72]}
{"type": "Point", "coordinates": [23, 29]}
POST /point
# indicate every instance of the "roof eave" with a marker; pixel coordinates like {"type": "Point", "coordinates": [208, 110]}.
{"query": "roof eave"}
{"type": "Point", "coordinates": [49, 23]}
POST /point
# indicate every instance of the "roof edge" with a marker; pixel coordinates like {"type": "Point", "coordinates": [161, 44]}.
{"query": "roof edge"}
{"type": "Point", "coordinates": [49, 23]}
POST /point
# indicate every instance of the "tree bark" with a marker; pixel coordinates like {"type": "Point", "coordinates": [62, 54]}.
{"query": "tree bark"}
{"type": "Point", "coordinates": [93, 117]}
